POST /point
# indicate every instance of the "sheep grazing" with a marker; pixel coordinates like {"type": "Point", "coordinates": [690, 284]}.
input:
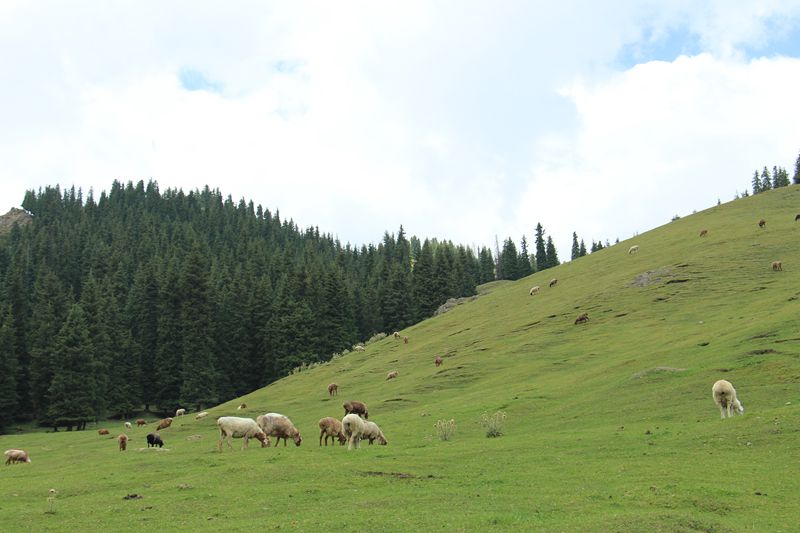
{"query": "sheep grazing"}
{"type": "Point", "coordinates": [333, 389]}
{"type": "Point", "coordinates": [725, 397]}
{"type": "Point", "coordinates": [405, 339]}
{"type": "Point", "coordinates": [796, 218]}
{"type": "Point", "coordinates": [583, 317]}
{"type": "Point", "coordinates": [396, 334]}
{"type": "Point", "coordinates": [353, 428]}
{"type": "Point", "coordinates": [123, 442]}
{"type": "Point", "coordinates": [153, 439]}
{"type": "Point", "coordinates": [103, 431]}
{"type": "Point", "coordinates": [372, 432]}
{"type": "Point", "coordinates": [633, 249]}
{"type": "Point", "coordinates": [776, 265]}
{"type": "Point", "coordinates": [359, 348]}
{"type": "Point", "coordinates": [703, 232]}
{"type": "Point", "coordinates": [164, 424]}
{"type": "Point", "coordinates": [553, 282]}
{"type": "Point", "coordinates": [356, 407]}
{"type": "Point", "coordinates": [128, 425]}
{"type": "Point", "coordinates": [198, 416]}
{"type": "Point", "coordinates": [16, 456]}
{"type": "Point", "coordinates": [140, 422]}
{"type": "Point", "coordinates": [279, 426]}
{"type": "Point", "coordinates": [438, 361]}
{"type": "Point", "coordinates": [239, 428]}
{"type": "Point", "coordinates": [762, 223]}
{"type": "Point", "coordinates": [534, 290]}
{"type": "Point", "coordinates": [391, 375]}
{"type": "Point", "coordinates": [241, 406]}
{"type": "Point", "coordinates": [330, 427]}
{"type": "Point", "coordinates": [180, 412]}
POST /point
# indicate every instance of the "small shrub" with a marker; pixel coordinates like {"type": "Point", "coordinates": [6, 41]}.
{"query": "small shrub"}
{"type": "Point", "coordinates": [445, 429]}
{"type": "Point", "coordinates": [493, 424]}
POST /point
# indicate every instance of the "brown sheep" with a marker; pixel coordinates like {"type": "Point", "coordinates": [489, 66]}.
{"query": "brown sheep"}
{"type": "Point", "coordinates": [553, 282]}
{"type": "Point", "coordinates": [583, 317]}
{"type": "Point", "coordinates": [703, 232]}
{"type": "Point", "coordinates": [123, 442]}
{"type": "Point", "coordinates": [279, 426]}
{"type": "Point", "coordinates": [762, 223]}
{"type": "Point", "coordinates": [405, 339]}
{"type": "Point", "coordinates": [776, 265]}
{"type": "Point", "coordinates": [358, 408]}
{"type": "Point", "coordinates": [16, 456]}
{"type": "Point", "coordinates": [103, 431]}
{"type": "Point", "coordinates": [333, 389]}
{"type": "Point", "coordinates": [438, 361]}
{"type": "Point", "coordinates": [140, 422]}
{"type": "Point", "coordinates": [164, 424]}
{"type": "Point", "coordinates": [241, 406]}
{"type": "Point", "coordinates": [391, 375]}
{"type": "Point", "coordinates": [330, 427]}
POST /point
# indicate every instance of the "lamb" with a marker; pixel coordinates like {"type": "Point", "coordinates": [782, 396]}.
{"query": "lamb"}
{"type": "Point", "coordinates": [164, 424]}
{"type": "Point", "coordinates": [241, 406]}
{"type": "Point", "coordinates": [128, 425]}
{"type": "Point", "coordinates": [633, 249]}
{"type": "Point", "coordinates": [330, 427]}
{"type": "Point", "coordinates": [534, 290]}
{"type": "Point", "coordinates": [180, 412]}
{"type": "Point", "coordinates": [776, 265]}
{"type": "Point", "coordinates": [353, 428]}
{"type": "Point", "coordinates": [16, 456]}
{"type": "Point", "coordinates": [583, 317]}
{"type": "Point", "coordinates": [103, 431]}
{"type": "Point", "coordinates": [762, 223]}
{"type": "Point", "coordinates": [438, 361]}
{"type": "Point", "coordinates": [405, 339]}
{"type": "Point", "coordinates": [725, 397]}
{"type": "Point", "coordinates": [703, 232]}
{"type": "Point", "coordinates": [356, 407]}
{"type": "Point", "coordinates": [140, 422]}
{"type": "Point", "coordinates": [198, 416]}
{"type": "Point", "coordinates": [239, 428]}
{"type": "Point", "coordinates": [153, 439]}
{"type": "Point", "coordinates": [553, 282]}
{"type": "Point", "coordinates": [391, 375]}
{"type": "Point", "coordinates": [123, 442]}
{"type": "Point", "coordinates": [333, 389]}
{"type": "Point", "coordinates": [373, 432]}
{"type": "Point", "coordinates": [279, 426]}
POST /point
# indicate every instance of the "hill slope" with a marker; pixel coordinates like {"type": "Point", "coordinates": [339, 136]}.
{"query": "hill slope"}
{"type": "Point", "coordinates": [610, 424]}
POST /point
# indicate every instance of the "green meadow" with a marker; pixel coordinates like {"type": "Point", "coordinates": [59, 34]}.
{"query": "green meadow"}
{"type": "Point", "coordinates": [610, 424]}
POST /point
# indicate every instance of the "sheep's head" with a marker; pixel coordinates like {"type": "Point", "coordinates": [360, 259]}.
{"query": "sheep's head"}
{"type": "Point", "coordinates": [382, 440]}
{"type": "Point", "coordinates": [297, 439]}
{"type": "Point", "coordinates": [342, 438]}
{"type": "Point", "coordinates": [739, 407]}
{"type": "Point", "coordinates": [263, 438]}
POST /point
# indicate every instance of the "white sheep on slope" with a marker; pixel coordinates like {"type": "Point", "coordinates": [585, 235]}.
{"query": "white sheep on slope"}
{"type": "Point", "coordinates": [239, 428]}
{"type": "Point", "coordinates": [353, 428]}
{"type": "Point", "coordinates": [725, 397]}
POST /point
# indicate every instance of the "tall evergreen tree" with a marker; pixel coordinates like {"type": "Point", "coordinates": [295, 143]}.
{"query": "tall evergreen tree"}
{"type": "Point", "coordinates": [487, 265]}
{"type": "Point", "coordinates": [756, 183]}
{"type": "Point", "coordinates": [552, 255]}
{"type": "Point", "coordinates": [524, 267]}
{"type": "Point", "coordinates": [425, 292]}
{"type": "Point", "coordinates": [796, 178]}
{"type": "Point", "coordinates": [766, 182]}
{"type": "Point", "coordinates": [576, 250]}
{"type": "Point", "coordinates": [541, 251]}
{"type": "Point", "coordinates": [8, 369]}
{"type": "Point", "coordinates": [508, 260]}
{"type": "Point", "coordinates": [582, 249]}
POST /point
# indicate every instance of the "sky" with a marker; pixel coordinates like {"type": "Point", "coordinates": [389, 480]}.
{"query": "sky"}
{"type": "Point", "coordinates": [463, 120]}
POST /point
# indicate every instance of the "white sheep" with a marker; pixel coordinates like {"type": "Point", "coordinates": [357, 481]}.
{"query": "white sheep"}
{"type": "Point", "coordinates": [725, 397]}
{"type": "Point", "coordinates": [353, 428]}
{"type": "Point", "coordinates": [198, 416]}
{"type": "Point", "coordinates": [128, 425]}
{"type": "Point", "coordinates": [180, 412]}
{"type": "Point", "coordinates": [534, 290]}
{"type": "Point", "coordinates": [373, 432]}
{"type": "Point", "coordinates": [633, 249]}
{"type": "Point", "coordinates": [279, 426]}
{"type": "Point", "coordinates": [239, 428]}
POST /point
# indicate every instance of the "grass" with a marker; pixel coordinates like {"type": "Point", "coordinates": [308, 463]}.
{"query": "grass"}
{"type": "Point", "coordinates": [610, 425]}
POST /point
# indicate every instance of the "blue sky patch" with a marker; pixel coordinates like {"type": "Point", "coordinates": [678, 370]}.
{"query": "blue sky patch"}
{"type": "Point", "coordinates": [194, 80]}
{"type": "Point", "coordinates": [680, 42]}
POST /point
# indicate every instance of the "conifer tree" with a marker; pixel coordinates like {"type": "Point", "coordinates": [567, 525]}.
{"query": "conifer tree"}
{"type": "Point", "coordinates": [8, 369]}
{"type": "Point", "coordinates": [425, 293]}
{"type": "Point", "coordinates": [796, 178]}
{"type": "Point", "coordinates": [508, 260]}
{"type": "Point", "coordinates": [582, 249]}
{"type": "Point", "coordinates": [766, 182]}
{"type": "Point", "coordinates": [486, 266]}
{"type": "Point", "coordinates": [552, 255]}
{"type": "Point", "coordinates": [541, 252]}
{"type": "Point", "coordinates": [524, 261]}
{"type": "Point", "coordinates": [576, 250]}
{"type": "Point", "coordinates": [756, 183]}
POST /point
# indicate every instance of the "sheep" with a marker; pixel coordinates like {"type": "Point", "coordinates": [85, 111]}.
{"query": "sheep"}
{"type": "Point", "coordinates": [241, 406]}
{"type": "Point", "coordinates": [373, 432]}
{"type": "Point", "coordinates": [123, 442]}
{"type": "Point", "coordinates": [330, 427]}
{"type": "Point", "coordinates": [633, 249]}
{"type": "Point", "coordinates": [128, 425]}
{"type": "Point", "coordinates": [180, 412]}
{"type": "Point", "coordinates": [356, 407]}
{"type": "Point", "coordinates": [279, 426]}
{"type": "Point", "coordinates": [725, 397]}
{"type": "Point", "coordinates": [16, 456]}
{"type": "Point", "coordinates": [762, 223]}
{"type": "Point", "coordinates": [239, 428]}
{"type": "Point", "coordinates": [333, 389]}
{"type": "Point", "coordinates": [438, 361]}
{"type": "Point", "coordinates": [583, 317]}
{"type": "Point", "coordinates": [534, 290]}
{"type": "Point", "coordinates": [103, 431]}
{"type": "Point", "coordinates": [153, 439]}
{"type": "Point", "coordinates": [405, 339]}
{"type": "Point", "coordinates": [164, 424]}
{"type": "Point", "coordinates": [703, 232]}
{"type": "Point", "coordinates": [391, 375]}
{"type": "Point", "coordinates": [396, 334]}
{"type": "Point", "coordinates": [796, 218]}
{"type": "Point", "coordinates": [140, 422]}
{"type": "Point", "coordinates": [553, 282]}
{"type": "Point", "coordinates": [776, 265]}
{"type": "Point", "coordinates": [198, 416]}
{"type": "Point", "coordinates": [352, 427]}
{"type": "Point", "coordinates": [359, 348]}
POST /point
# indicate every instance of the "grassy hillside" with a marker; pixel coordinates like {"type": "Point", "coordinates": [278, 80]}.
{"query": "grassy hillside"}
{"type": "Point", "coordinates": [610, 424]}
